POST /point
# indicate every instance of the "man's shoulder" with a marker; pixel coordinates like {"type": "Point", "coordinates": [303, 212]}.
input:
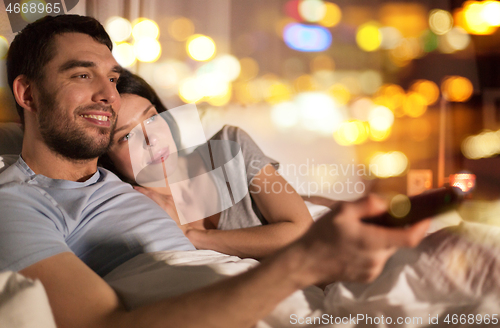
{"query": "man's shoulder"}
{"type": "Point", "coordinates": [10, 171]}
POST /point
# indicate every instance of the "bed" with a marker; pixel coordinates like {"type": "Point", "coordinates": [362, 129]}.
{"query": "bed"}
{"type": "Point", "coordinates": [451, 278]}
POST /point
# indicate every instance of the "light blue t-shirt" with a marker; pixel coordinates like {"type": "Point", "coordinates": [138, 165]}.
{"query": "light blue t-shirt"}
{"type": "Point", "coordinates": [103, 220]}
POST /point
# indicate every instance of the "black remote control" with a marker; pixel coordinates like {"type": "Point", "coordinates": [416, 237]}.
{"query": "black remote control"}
{"type": "Point", "coordinates": [419, 207]}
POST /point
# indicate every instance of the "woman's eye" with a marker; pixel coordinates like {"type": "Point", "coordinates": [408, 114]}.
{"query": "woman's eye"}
{"type": "Point", "coordinates": [150, 120]}
{"type": "Point", "coordinates": [127, 137]}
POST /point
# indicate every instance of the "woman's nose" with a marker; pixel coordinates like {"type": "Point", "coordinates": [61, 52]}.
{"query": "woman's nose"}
{"type": "Point", "coordinates": [150, 141]}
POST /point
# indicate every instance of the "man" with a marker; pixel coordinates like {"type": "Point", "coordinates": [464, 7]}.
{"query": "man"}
{"type": "Point", "coordinates": [67, 223]}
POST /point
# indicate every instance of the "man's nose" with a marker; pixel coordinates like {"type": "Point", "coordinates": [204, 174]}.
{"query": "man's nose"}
{"type": "Point", "coordinates": [106, 92]}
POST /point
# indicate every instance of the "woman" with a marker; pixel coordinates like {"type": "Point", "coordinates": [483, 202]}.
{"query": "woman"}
{"type": "Point", "coordinates": [263, 221]}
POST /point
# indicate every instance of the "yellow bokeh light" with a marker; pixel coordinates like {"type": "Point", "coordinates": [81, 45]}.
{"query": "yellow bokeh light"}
{"type": "Point", "coordinates": [351, 133]}
{"type": "Point", "coordinates": [391, 164]}
{"type": "Point", "coordinates": [368, 36]}
{"type": "Point", "coordinates": [118, 28]}
{"type": "Point", "coordinates": [249, 68]}
{"type": "Point", "coordinates": [147, 50]}
{"type": "Point", "coordinates": [428, 89]}
{"type": "Point", "coordinates": [391, 96]}
{"type": "Point", "coordinates": [304, 83]}
{"type": "Point", "coordinates": [200, 47]}
{"type": "Point", "coordinates": [473, 19]}
{"type": "Point", "coordinates": [380, 118]}
{"type": "Point", "coordinates": [340, 93]}
{"type": "Point", "coordinates": [221, 99]}
{"type": "Point", "coordinates": [189, 91]}
{"type": "Point", "coordinates": [491, 12]}
{"type": "Point", "coordinates": [4, 47]}
{"type": "Point", "coordinates": [415, 104]}
{"type": "Point", "coordinates": [181, 28]}
{"type": "Point", "coordinates": [440, 21]}
{"type": "Point", "coordinates": [457, 88]}
{"type": "Point", "coordinates": [399, 206]}
{"type": "Point", "coordinates": [124, 54]}
{"type": "Point", "coordinates": [484, 145]}
{"type": "Point", "coordinates": [457, 39]}
{"type": "Point", "coordinates": [312, 10]}
{"type": "Point", "coordinates": [145, 28]}
{"type": "Point", "coordinates": [333, 15]}
{"type": "Point", "coordinates": [379, 135]}
{"type": "Point", "coordinates": [242, 93]}
{"type": "Point", "coordinates": [278, 92]}
{"type": "Point", "coordinates": [322, 63]}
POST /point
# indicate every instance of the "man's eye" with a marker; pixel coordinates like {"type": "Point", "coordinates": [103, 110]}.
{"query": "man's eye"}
{"type": "Point", "coordinates": [150, 120]}
{"type": "Point", "coordinates": [83, 76]}
{"type": "Point", "coordinates": [113, 79]}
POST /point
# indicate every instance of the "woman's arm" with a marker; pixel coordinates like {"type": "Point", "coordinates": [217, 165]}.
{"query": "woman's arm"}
{"type": "Point", "coordinates": [283, 208]}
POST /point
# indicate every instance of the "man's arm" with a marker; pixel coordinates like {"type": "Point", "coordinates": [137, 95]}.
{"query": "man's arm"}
{"type": "Point", "coordinates": [337, 247]}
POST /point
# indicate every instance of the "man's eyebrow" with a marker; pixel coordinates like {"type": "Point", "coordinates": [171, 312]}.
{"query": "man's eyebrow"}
{"type": "Point", "coordinates": [117, 69]}
{"type": "Point", "coordinates": [75, 63]}
{"type": "Point", "coordinates": [143, 113]}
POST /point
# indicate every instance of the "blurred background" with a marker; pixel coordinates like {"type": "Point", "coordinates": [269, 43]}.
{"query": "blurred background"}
{"type": "Point", "coordinates": [349, 96]}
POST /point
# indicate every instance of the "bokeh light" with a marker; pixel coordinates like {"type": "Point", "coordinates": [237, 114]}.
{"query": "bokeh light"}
{"type": "Point", "coordinates": [319, 112]}
{"type": "Point", "coordinates": [391, 37]}
{"type": "Point", "coordinates": [292, 10]}
{"type": "Point", "coordinates": [169, 73]}
{"type": "Point", "coordinates": [190, 91]}
{"type": "Point", "coordinates": [249, 68]}
{"type": "Point", "coordinates": [399, 206]}
{"type": "Point", "coordinates": [440, 21]}
{"type": "Point", "coordinates": [278, 92]}
{"type": "Point", "coordinates": [351, 133]}
{"type": "Point", "coordinates": [332, 16]}
{"type": "Point", "coordinates": [456, 39]}
{"type": "Point", "coordinates": [31, 16]}
{"type": "Point", "coordinates": [200, 47]}
{"type": "Point", "coordinates": [391, 164]}
{"type": "Point", "coordinates": [322, 62]}
{"type": "Point", "coordinates": [308, 38]}
{"type": "Point", "coordinates": [181, 29]}
{"type": "Point", "coordinates": [484, 145]}
{"type": "Point", "coordinates": [491, 12]}
{"type": "Point", "coordinates": [473, 19]}
{"type": "Point", "coordinates": [380, 118]}
{"type": "Point", "coordinates": [147, 49]}
{"type": "Point", "coordinates": [340, 93]}
{"type": "Point", "coordinates": [124, 54]}
{"type": "Point", "coordinates": [457, 88]}
{"type": "Point", "coordinates": [145, 28]}
{"type": "Point", "coordinates": [415, 104]}
{"type": "Point", "coordinates": [379, 135]}
{"type": "Point", "coordinates": [312, 10]}
{"type": "Point", "coordinates": [304, 83]}
{"type": "Point", "coordinates": [391, 96]}
{"type": "Point", "coordinates": [118, 28]}
{"type": "Point", "coordinates": [360, 109]}
{"type": "Point", "coordinates": [370, 81]}
{"type": "Point", "coordinates": [428, 89]}
{"type": "Point", "coordinates": [4, 47]}
{"type": "Point", "coordinates": [285, 115]}
{"type": "Point", "coordinates": [368, 36]}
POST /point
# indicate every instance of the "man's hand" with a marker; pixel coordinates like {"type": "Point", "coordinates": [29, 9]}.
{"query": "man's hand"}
{"type": "Point", "coordinates": [340, 247]}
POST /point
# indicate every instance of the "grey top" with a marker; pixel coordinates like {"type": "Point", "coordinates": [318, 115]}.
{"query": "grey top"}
{"type": "Point", "coordinates": [103, 220]}
{"type": "Point", "coordinates": [245, 213]}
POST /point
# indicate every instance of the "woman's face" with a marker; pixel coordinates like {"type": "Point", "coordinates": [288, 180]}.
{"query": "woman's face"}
{"type": "Point", "coordinates": [143, 148]}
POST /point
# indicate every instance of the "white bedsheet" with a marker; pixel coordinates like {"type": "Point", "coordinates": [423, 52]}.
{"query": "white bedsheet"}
{"type": "Point", "coordinates": [453, 271]}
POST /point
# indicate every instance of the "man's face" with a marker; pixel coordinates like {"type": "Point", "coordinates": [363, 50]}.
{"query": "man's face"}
{"type": "Point", "coordinates": [77, 100]}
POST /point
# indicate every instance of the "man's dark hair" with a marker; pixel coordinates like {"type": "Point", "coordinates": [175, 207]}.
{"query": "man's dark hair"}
{"type": "Point", "coordinates": [33, 47]}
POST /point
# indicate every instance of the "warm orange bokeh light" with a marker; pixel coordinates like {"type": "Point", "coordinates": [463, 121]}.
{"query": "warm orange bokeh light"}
{"type": "Point", "coordinates": [457, 88]}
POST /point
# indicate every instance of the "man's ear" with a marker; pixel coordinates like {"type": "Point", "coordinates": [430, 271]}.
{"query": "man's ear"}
{"type": "Point", "coordinates": [23, 93]}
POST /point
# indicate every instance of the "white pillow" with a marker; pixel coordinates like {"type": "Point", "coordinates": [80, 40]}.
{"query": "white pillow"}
{"type": "Point", "coordinates": [11, 138]}
{"type": "Point", "coordinates": [23, 303]}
